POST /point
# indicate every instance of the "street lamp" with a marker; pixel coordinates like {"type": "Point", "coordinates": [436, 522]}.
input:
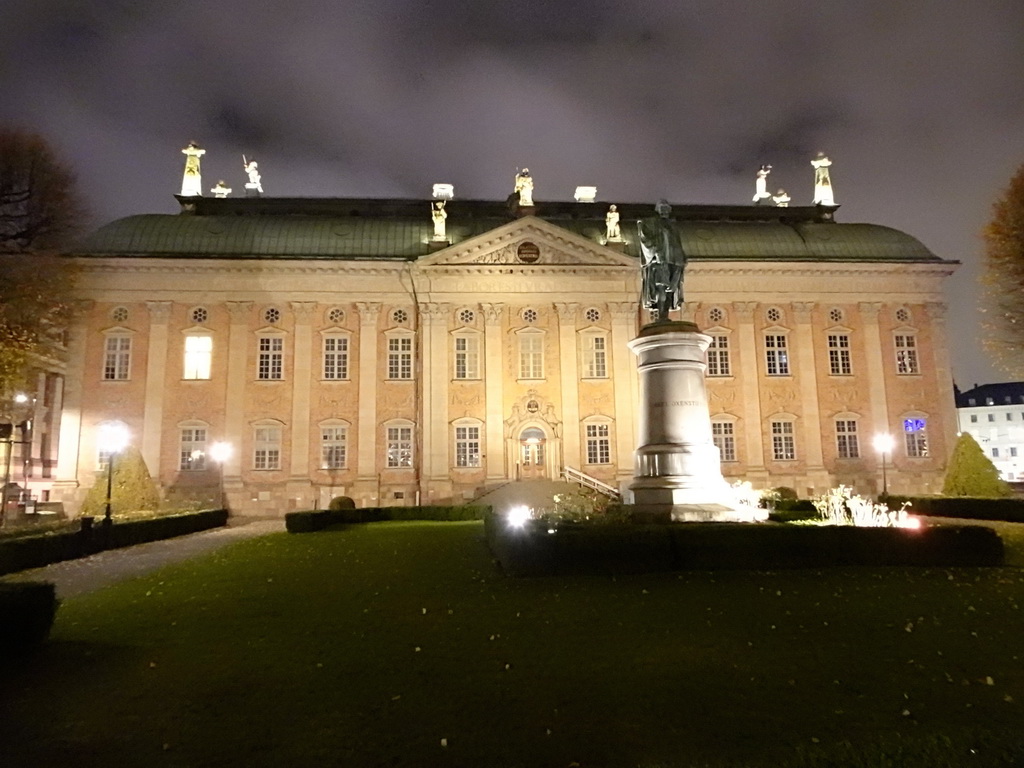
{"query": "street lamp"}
{"type": "Point", "coordinates": [883, 444]}
{"type": "Point", "coordinates": [113, 438]}
{"type": "Point", "coordinates": [221, 452]}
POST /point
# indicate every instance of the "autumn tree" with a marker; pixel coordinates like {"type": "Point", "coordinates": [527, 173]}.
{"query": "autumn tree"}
{"type": "Point", "coordinates": [972, 473]}
{"type": "Point", "coordinates": [1003, 279]}
{"type": "Point", "coordinates": [39, 214]}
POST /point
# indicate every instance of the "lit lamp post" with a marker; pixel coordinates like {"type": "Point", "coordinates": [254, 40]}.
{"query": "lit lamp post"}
{"type": "Point", "coordinates": [883, 444]}
{"type": "Point", "coordinates": [112, 439]}
{"type": "Point", "coordinates": [221, 452]}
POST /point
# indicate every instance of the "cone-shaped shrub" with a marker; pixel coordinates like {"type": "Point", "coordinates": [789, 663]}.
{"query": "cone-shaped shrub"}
{"type": "Point", "coordinates": [972, 473]}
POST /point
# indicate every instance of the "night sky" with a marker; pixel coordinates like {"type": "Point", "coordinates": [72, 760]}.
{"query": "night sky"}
{"type": "Point", "coordinates": [916, 102]}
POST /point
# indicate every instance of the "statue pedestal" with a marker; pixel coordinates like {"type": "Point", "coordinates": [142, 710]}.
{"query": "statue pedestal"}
{"type": "Point", "coordinates": [678, 468]}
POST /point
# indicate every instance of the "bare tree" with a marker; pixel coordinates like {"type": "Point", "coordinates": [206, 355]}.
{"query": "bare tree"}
{"type": "Point", "coordinates": [1003, 279]}
{"type": "Point", "coordinates": [40, 213]}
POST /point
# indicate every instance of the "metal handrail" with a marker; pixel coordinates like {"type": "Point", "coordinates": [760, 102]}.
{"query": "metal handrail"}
{"type": "Point", "coordinates": [573, 475]}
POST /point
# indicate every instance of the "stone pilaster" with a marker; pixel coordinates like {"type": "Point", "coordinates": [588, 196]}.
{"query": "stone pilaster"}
{"type": "Point", "coordinates": [807, 379]}
{"type": "Point", "coordinates": [304, 360]}
{"type": "Point", "coordinates": [875, 377]}
{"type": "Point", "coordinates": [69, 443]}
{"type": "Point", "coordinates": [747, 371]}
{"type": "Point", "coordinates": [570, 384]}
{"type": "Point", "coordinates": [434, 426]}
{"type": "Point", "coordinates": [366, 462]}
{"type": "Point", "coordinates": [943, 371]}
{"type": "Point", "coordinates": [157, 379]}
{"type": "Point", "coordinates": [239, 339]}
{"type": "Point", "coordinates": [624, 379]}
{"type": "Point", "coordinates": [494, 377]}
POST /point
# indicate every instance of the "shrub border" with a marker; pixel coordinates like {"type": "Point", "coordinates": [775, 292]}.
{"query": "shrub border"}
{"type": "Point", "coordinates": [312, 520]}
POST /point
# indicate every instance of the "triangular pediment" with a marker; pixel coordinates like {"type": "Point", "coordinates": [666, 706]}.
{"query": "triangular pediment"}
{"type": "Point", "coordinates": [528, 242]}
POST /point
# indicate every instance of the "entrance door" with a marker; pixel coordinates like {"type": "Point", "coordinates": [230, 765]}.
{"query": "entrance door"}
{"type": "Point", "coordinates": [531, 453]}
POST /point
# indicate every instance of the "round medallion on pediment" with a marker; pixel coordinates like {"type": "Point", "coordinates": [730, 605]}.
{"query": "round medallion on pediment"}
{"type": "Point", "coordinates": [528, 253]}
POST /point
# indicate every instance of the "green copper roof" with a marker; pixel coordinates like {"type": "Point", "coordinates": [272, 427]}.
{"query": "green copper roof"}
{"type": "Point", "coordinates": [402, 229]}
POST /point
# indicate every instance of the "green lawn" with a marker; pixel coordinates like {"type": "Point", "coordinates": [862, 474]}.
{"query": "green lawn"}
{"type": "Point", "coordinates": [368, 647]}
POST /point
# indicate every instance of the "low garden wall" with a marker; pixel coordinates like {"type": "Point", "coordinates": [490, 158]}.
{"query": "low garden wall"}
{"type": "Point", "coordinates": [22, 553]}
{"type": "Point", "coordinates": [624, 548]}
{"type": "Point", "coordinates": [309, 521]}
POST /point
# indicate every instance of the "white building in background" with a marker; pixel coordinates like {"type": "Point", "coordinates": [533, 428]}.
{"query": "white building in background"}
{"type": "Point", "coordinates": [993, 414]}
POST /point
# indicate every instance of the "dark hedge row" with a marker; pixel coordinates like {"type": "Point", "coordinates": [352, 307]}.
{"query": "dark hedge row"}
{"type": "Point", "coordinates": [26, 614]}
{"type": "Point", "coordinates": [36, 551]}
{"type": "Point", "coordinates": [1010, 510]}
{"type": "Point", "coordinates": [316, 520]}
{"type": "Point", "coordinates": [532, 551]}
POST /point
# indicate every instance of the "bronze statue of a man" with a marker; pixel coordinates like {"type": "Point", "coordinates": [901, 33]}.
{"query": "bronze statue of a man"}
{"type": "Point", "coordinates": [662, 263]}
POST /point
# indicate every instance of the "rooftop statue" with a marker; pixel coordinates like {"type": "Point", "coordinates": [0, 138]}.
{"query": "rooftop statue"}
{"type": "Point", "coordinates": [192, 182]}
{"type": "Point", "coordinates": [781, 199]}
{"type": "Point", "coordinates": [221, 190]}
{"type": "Point", "coordinates": [613, 233]}
{"type": "Point", "coordinates": [761, 193]}
{"type": "Point", "coordinates": [253, 187]}
{"type": "Point", "coordinates": [662, 263]}
{"type": "Point", "coordinates": [822, 182]}
{"type": "Point", "coordinates": [524, 188]}
{"type": "Point", "coordinates": [438, 214]}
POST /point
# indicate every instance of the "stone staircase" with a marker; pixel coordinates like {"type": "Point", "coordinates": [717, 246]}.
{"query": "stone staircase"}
{"type": "Point", "coordinates": [532, 493]}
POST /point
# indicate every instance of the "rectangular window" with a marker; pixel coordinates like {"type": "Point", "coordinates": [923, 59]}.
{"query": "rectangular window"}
{"type": "Point", "coordinates": [270, 363]}
{"type": "Point", "coordinates": [839, 354]}
{"type": "Point", "coordinates": [595, 357]}
{"type": "Point", "coordinates": [467, 446]}
{"type": "Point", "coordinates": [783, 445]}
{"type": "Point", "coordinates": [198, 357]}
{"type": "Point", "coordinates": [1009, 417]}
{"type": "Point", "coordinates": [531, 356]}
{"type": "Point", "coordinates": [335, 358]}
{"type": "Point", "coordinates": [400, 447]}
{"type": "Point", "coordinates": [117, 358]}
{"type": "Point", "coordinates": [718, 356]}
{"type": "Point", "coordinates": [1013, 452]}
{"type": "Point", "coordinates": [400, 358]}
{"type": "Point", "coordinates": [915, 433]}
{"type": "Point", "coordinates": [267, 448]}
{"type": "Point", "coordinates": [467, 357]}
{"type": "Point", "coordinates": [847, 445]}
{"type": "Point", "coordinates": [333, 447]}
{"type": "Point", "coordinates": [192, 453]}
{"type": "Point", "coordinates": [776, 355]}
{"type": "Point", "coordinates": [906, 355]}
{"type": "Point", "coordinates": [723, 433]}
{"type": "Point", "coordinates": [974, 418]}
{"type": "Point", "coordinates": [599, 447]}
{"type": "Point", "coordinates": [995, 453]}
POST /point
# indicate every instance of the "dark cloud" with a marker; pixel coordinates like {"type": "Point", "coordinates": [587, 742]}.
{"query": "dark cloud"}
{"type": "Point", "coordinates": [914, 101]}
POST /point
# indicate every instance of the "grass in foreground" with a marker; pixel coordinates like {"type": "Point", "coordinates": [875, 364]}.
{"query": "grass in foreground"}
{"type": "Point", "coordinates": [398, 644]}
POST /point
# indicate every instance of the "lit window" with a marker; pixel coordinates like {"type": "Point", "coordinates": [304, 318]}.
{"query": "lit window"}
{"type": "Point", "coordinates": [595, 357]}
{"type": "Point", "coordinates": [467, 357]}
{"type": "Point", "coordinates": [467, 446]}
{"type": "Point", "coordinates": [718, 356]}
{"type": "Point", "coordinates": [198, 356]}
{"type": "Point", "coordinates": [192, 451]}
{"type": "Point", "coordinates": [335, 357]}
{"type": "Point", "coordinates": [776, 355]}
{"type": "Point", "coordinates": [599, 447]}
{"type": "Point", "coordinates": [906, 355]}
{"type": "Point", "coordinates": [847, 445]}
{"type": "Point", "coordinates": [399, 447]}
{"type": "Point", "coordinates": [333, 447]}
{"type": "Point", "coordinates": [531, 356]}
{"type": "Point", "coordinates": [839, 354]}
{"type": "Point", "coordinates": [723, 433]}
{"type": "Point", "coordinates": [915, 433]}
{"type": "Point", "coordinates": [267, 448]}
{"type": "Point", "coordinates": [783, 444]}
{"type": "Point", "coordinates": [400, 357]}
{"type": "Point", "coordinates": [270, 362]}
{"type": "Point", "coordinates": [117, 358]}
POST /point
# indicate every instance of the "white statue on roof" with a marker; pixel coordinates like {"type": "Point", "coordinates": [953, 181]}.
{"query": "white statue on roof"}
{"type": "Point", "coordinates": [221, 190]}
{"type": "Point", "coordinates": [613, 234]}
{"type": "Point", "coordinates": [438, 214]}
{"type": "Point", "coordinates": [761, 193]}
{"type": "Point", "coordinates": [253, 187]}
{"type": "Point", "coordinates": [524, 188]}
{"type": "Point", "coordinates": [822, 181]}
{"type": "Point", "coordinates": [192, 182]}
{"type": "Point", "coordinates": [781, 199]}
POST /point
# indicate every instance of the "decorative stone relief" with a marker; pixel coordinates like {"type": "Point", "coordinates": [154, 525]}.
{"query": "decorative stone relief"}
{"type": "Point", "coordinates": [303, 310]}
{"type": "Point", "coordinates": [434, 313]}
{"type": "Point", "coordinates": [623, 311]}
{"type": "Point", "coordinates": [239, 311]}
{"type": "Point", "coordinates": [159, 311]}
{"type": "Point", "coordinates": [869, 310]}
{"type": "Point", "coordinates": [781, 397]}
{"type": "Point", "coordinates": [492, 313]}
{"type": "Point", "coordinates": [745, 310]}
{"type": "Point", "coordinates": [567, 312]}
{"type": "Point", "coordinates": [368, 311]}
{"type": "Point", "coordinates": [689, 310]}
{"type": "Point", "coordinates": [802, 311]}
{"type": "Point", "coordinates": [723, 398]}
{"type": "Point", "coordinates": [936, 311]}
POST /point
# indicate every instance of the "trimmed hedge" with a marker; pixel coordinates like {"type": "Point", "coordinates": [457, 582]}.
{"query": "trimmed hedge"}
{"type": "Point", "coordinates": [572, 549]}
{"type": "Point", "coordinates": [1010, 510]}
{"type": "Point", "coordinates": [309, 521]}
{"type": "Point", "coordinates": [26, 614]}
{"type": "Point", "coordinates": [36, 551]}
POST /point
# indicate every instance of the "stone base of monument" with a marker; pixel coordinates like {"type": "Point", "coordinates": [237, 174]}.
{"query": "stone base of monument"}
{"type": "Point", "coordinates": [678, 468]}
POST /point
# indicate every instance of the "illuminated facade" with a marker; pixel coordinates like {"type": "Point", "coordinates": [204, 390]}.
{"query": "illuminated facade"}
{"type": "Point", "coordinates": [342, 349]}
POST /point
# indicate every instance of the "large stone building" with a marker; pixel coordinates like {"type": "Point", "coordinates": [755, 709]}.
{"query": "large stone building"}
{"type": "Point", "coordinates": [993, 414]}
{"type": "Point", "coordinates": [360, 347]}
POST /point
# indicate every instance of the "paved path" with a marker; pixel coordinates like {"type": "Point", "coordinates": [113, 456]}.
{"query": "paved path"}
{"type": "Point", "coordinates": [76, 577]}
